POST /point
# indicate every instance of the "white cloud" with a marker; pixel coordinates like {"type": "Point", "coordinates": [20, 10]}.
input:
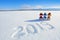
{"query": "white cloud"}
{"type": "Point", "coordinates": [55, 7]}
{"type": "Point", "coordinates": [52, 7]}
{"type": "Point", "coordinates": [30, 7]}
{"type": "Point", "coordinates": [25, 7]}
{"type": "Point", "coordinates": [37, 7]}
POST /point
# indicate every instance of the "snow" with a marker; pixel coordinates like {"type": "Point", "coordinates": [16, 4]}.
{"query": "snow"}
{"type": "Point", "coordinates": [13, 26]}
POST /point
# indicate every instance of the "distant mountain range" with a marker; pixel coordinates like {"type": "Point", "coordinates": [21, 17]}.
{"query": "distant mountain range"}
{"type": "Point", "coordinates": [42, 9]}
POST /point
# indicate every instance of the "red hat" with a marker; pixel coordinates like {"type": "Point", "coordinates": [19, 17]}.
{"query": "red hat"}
{"type": "Point", "coordinates": [41, 13]}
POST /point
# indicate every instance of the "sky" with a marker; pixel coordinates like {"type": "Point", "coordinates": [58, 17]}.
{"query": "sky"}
{"type": "Point", "coordinates": [29, 4]}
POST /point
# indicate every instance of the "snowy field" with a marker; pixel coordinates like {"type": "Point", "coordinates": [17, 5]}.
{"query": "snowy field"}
{"type": "Point", "coordinates": [13, 26]}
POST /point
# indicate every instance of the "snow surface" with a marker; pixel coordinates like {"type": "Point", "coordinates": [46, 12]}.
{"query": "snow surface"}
{"type": "Point", "coordinates": [14, 27]}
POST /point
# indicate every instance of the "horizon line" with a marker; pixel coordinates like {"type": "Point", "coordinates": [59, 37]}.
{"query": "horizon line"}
{"type": "Point", "coordinates": [48, 9]}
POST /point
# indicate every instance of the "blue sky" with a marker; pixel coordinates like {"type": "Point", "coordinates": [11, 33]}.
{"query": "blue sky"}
{"type": "Point", "coordinates": [18, 4]}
